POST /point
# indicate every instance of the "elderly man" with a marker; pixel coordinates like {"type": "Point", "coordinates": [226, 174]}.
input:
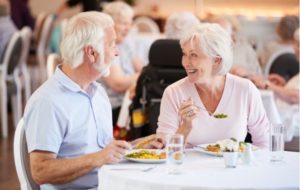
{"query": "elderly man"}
{"type": "Point", "coordinates": [68, 119]}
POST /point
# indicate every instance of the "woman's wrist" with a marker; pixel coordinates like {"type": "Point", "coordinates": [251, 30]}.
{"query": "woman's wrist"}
{"type": "Point", "coordinates": [183, 130]}
{"type": "Point", "coordinates": [267, 85]}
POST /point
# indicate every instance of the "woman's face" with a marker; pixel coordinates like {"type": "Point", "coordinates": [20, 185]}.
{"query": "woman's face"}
{"type": "Point", "coordinates": [197, 65]}
{"type": "Point", "coordinates": [122, 27]}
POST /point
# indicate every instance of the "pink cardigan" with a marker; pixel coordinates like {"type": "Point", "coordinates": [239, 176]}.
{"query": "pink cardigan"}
{"type": "Point", "coordinates": [241, 101]}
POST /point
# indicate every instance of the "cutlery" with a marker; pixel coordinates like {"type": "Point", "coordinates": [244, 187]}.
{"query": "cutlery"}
{"type": "Point", "coordinates": [134, 169]}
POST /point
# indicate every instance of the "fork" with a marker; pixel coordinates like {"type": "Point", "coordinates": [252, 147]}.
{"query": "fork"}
{"type": "Point", "coordinates": [209, 113]}
{"type": "Point", "coordinates": [135, 169]}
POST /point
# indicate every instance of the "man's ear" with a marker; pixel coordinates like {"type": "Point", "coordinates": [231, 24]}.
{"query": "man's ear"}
{"type": "Point", "coordinates": [90, 53]}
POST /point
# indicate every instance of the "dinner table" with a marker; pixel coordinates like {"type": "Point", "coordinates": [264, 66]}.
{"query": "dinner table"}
{"type": "Point", "coordinates": [203, 171]}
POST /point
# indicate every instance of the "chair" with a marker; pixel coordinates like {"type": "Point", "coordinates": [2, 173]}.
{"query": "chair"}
{"type": "Point", "coordinates": [52, 61]}
{"type": "Point", "coordinates": [42, 46]}
{"type": "Point", "coordinates": [26, 34]}
{"type": "Point", "coordinates": [145, 25]}
{"type": "Point", "coordinates": [273, 58]}
{"type": "Point", "coordinates": [10, 85]}
{"type": "Point", "coordinates": [164, 69]}
{"type": "Point", "coordinates": [22, 159]}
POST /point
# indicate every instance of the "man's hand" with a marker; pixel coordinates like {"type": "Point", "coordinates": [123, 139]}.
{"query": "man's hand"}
{"type": "Point", "coordinates": [113, 152]}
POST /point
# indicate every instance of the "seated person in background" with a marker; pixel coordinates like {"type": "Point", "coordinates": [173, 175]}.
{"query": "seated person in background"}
{"type": "Point", "coordinates": [7, 27]}
{"type": "Point", "coordinates": [87, 5]}
{"type": "Point", "coordinates": [68, 119]}
{"type": "Point", "coordinates": [288, 95]}
{"type": "Point", "coordinates": [126, 68]}
{"type": "Point", "coordinates": [209, 88]}
{"type": "Point", "coordinates": [21, 14]}
{"type": "Point", "coordinates": [178, 23]}
{"type": "Point", "coordinates": [278, 56]}
{"type": "Point", "coordinates": [244, 57]}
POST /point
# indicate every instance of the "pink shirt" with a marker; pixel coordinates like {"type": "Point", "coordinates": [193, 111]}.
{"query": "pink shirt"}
{"type": "Point", "coordinates": [240, 101]}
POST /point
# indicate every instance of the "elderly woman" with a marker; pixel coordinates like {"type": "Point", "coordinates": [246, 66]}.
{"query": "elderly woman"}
{"type": "Point", "coordinates": [125, 68]}
{"type": "Point", "coordinates": [191, 106]}
{"type": "Point", "coordinates": [179, 22]}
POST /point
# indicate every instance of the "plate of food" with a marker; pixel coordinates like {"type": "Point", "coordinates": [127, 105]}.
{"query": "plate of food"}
{"type": "Point", "coordinates": [217, 149]}
{"type": "Point", "coordinates": [146, 156]}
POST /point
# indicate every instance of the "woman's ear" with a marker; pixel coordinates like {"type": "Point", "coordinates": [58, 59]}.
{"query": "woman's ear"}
{"type": "Point", "coordinates": [217, 62]}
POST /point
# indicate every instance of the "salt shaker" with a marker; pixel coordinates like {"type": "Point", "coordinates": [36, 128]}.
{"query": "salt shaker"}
{"type": "Point", "coordinates": [247, 156]}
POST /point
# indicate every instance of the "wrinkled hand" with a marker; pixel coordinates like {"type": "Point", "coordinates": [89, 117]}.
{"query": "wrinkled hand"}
{"type": "Point", "coordinates": [114, 152]}
{"type": "Point", "coordinates": [259, 82]}
{"type": "Point", "coordinates": [277, 79]}
{"type": "Point", "coordinates": [188, 111]}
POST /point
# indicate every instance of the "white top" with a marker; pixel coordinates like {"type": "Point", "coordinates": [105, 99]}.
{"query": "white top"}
{"type": "Point", "coordinates": [240, 101]}
{"type": "Point", "coordinates": [200, 171]}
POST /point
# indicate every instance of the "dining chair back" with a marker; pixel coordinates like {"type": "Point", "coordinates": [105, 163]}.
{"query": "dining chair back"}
{"type": "Point", "coordinates": [145, 25]}
{"type": "Point", "coordinates": [43, 44]}
{"type": "Point", "coordinates": [21, 159]}
{"type": "Point", "coordinates": [52, 61]}
{"type": "Point", "coordinates": [9, 81]}
{"type": "Point", "coordinates": [26, 34]}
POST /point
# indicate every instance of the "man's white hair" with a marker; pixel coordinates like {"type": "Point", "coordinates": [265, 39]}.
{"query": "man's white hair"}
{"type": "Point", "coordinates": [178, 23]}
{"type": "Point", "coordinates": [87, 28]}
{"type": "Point", "coordinates": [118, 10]}
{"type": "Point", "coordinates": [214, 41]}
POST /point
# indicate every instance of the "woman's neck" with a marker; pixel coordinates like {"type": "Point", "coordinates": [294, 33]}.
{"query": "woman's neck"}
{"type": "Point", "coordinates": [213, 86]}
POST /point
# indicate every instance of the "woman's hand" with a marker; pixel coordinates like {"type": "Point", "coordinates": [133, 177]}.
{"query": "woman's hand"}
{"type": "Point", "coordinates": [277, 79]}
{"type": "Point", "coordinates": [188, 112]}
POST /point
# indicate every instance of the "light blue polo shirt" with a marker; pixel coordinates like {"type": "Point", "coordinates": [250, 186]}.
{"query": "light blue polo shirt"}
{"type": "Point", "coordinates": [62, 118]}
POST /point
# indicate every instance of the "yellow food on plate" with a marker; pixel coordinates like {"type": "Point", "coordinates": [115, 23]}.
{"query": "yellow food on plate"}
{"type": "Point", "coordinates": [147, 154]}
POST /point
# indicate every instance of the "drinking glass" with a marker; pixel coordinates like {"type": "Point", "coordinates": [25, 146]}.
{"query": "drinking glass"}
{"type": "Point", "coordinates": [276, 142]}
{"type": "Point", "coordinates": [174, 153]}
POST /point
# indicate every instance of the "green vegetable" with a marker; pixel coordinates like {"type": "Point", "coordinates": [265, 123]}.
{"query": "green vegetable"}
{"type": "Point", "coordinates": [220, 116]}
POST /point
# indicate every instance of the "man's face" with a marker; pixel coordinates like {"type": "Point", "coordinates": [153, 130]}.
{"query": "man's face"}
{"type": "Point", "coordinates": [110, 48]}
{"type": "Point", "coordinates": [110, 51]}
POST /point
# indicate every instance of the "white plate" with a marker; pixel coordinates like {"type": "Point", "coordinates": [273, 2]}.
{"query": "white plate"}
{"type": "Point", "coordinates": [202, 148]}
{"type": "Point", "coordinates": [147, 161]}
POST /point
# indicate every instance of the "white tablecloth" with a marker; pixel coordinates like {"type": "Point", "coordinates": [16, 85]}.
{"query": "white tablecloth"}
{"type": "Point", "coordinates": [200, 171]}
{"type": "Point", "coordinates": [270, 106]}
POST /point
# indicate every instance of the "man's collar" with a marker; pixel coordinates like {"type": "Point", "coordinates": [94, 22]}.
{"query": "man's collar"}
{"type": "Point", "coordinates": [67, 82]}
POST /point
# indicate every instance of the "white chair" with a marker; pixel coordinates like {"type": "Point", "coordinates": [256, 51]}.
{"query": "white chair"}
{"type": "Point", "coordinates": [26, 34]}
{"type": "Point", "coordinates": [21, 158]}
{"type": "Point", "coordinates": [145, 25]}
{"type": "Point", "coordinates": [43, 44]}
{"type": "Point", "coordinates": [52, 61]}
{"type": "Point", "coordinates": [10, 85]}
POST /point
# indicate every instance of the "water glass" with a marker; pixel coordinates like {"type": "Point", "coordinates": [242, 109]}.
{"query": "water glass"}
{"type": "Point", "coordinates": [276, 142]}
{"type": "Point", "coordinates": [174, 153]}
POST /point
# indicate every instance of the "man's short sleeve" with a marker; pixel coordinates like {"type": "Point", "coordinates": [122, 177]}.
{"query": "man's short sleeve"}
{"type": "Point", "coordinates": [43, 128]}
